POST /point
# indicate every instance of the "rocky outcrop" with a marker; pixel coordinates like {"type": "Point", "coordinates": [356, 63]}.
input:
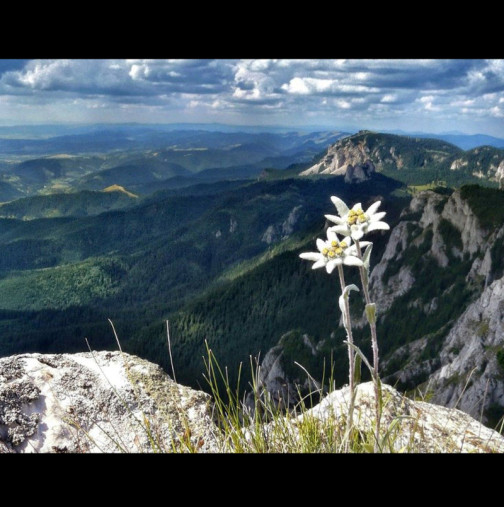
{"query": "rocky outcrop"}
{"type": "Point", "coordinates": [499, 174]}
{"type": "Point", "coordinates": [113, 402]}
{"type": "Point", "coordinates": [282, 230]}
{"type": "Point", "coordinates": [345, 157]}
{"type": "Point", "coordinates": [470, 376]}
{"type": "Point", "coordinates": [484, 162]}
{"type": "Point", "coordinates": [414, 426]}
{"type": "Point", "coordinates": [458, 164]}
{"type": "Point", "coordinates": [291, 221]}
{"type": "Point", "coordinates": [358, 155]}
{"type": "Point", "coordinates": [284, 388]}
{"type": "Point", "coordinates": [359, 173]}
{"type": "Point", "coordinates": [466, 373]}
{"type": "Point", "coordinates": [457, 362]}
{"type": "Point", "coordinates": [398, 284]}
{"type": "Point", "coordinates": [100, 402]}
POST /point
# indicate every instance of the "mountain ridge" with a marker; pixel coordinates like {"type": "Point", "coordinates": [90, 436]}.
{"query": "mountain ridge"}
{"type": "Point", "coordinates": [411, 159]}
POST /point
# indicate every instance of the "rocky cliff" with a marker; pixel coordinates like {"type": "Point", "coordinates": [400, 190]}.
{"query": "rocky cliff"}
{"type": "Point", "coordinates": [439, 289]}
{"type": "Point", "coordinates": [443, 244]}
{"type": "Point", "coordinates": [361, 154]}
{"type": "Point", "coordinates": [113, 402]}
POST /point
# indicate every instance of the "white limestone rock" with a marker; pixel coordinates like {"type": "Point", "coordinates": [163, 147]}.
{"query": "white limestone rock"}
{"type": "Point", "coordinates": [101, 402]}
{"type": "Point", "coordinates": [418, 426]}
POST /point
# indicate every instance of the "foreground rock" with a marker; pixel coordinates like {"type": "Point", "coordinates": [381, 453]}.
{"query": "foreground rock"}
{"type": "Point", "coordinates": [108, 402]}
{"type": "Point", "coordinates": [100, 402]}
{"type": "Point", "coordinates": [414, 426]}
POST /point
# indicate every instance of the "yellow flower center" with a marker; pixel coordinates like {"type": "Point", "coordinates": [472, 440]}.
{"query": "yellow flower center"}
{"type": "Point", "coordinates": [343, 244]}
{"type": "Point", "coordinates": [355, 216]}
{"type": "Point", "coordinates": [331, 253]}
{"type": "Point", "coordinates": [324, 251]}
{"type": "Point", "coordinates": [339, 251]}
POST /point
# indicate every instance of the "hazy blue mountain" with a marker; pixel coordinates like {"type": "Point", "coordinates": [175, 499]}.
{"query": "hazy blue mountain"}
{"type": "Point", "coordinates": [464, 141]}
{"type": "Point", "coordinates": [102, 138]}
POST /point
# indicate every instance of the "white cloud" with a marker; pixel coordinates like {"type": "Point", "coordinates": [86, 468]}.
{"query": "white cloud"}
{"type": "Point", "coordinates": [289, 91]}
{"type": "Point", "coordinates": [309, 85]}
{"type": "Point", "coordinates": [389, 98]}
{"type": "Point", "coordinates": [497, 112]}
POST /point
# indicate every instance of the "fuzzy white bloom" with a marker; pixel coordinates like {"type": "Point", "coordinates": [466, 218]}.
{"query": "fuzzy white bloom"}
{"type": "Point", "coordinates": [333, 252]}
{"type": "Point", "coordinates": [355, 222]}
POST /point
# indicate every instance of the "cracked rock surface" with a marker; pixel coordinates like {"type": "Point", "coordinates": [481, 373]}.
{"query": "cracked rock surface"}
{"type": "Point", "coordinates": [98, 402]}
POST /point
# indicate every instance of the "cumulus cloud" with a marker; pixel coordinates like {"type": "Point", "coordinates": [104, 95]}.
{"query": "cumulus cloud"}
{"type": "Point", "coordinates": [367, 92]}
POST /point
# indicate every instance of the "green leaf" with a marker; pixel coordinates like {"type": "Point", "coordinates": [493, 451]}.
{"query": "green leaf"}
{"type": "Point", "coordinates": [357, 370]}
{"type": "Point", "coordinates": [371, 313]}
{"type": "Point", "coordinates": [363, 357]}
{"type": "Point", "coordinates": [367, 256]}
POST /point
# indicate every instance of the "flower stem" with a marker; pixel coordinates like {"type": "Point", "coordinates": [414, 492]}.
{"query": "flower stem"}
{"type": "Point", "coordinates": [372, 325]}
{"type": "Point", "coordinates": [348, 326]}
{"type": "Point", "coordinates": [351, 360]}
{"type": "Point", "coordinates": [374, 343]}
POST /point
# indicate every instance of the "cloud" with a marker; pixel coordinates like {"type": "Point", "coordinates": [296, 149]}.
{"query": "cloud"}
{"type": "Point", "coordinates": [118, 77]}
{"type": "Point", "coordinates": [365, 92]}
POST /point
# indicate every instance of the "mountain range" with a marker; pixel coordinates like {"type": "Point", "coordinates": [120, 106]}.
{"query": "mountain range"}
{"type": "Point", "coordinates": [411, 160]}
{"type": "Point", "coordinates": [208, 237]}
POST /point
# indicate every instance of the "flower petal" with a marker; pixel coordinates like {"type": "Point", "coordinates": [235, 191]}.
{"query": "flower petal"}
{"type": "Point", "coordinates": [373, 208]}
{"type": "Point", "coordinates": [365, 243]}
{"type": "Point", "coordinates": [340, 205]}
{"type": "Point", "coordinates": [319, 264]}
{"type": "Point", "coordinates": [348, 241]}
{"type": "Point", "coordinates": [340, 229]}
{"type": "Point", "coordinates": [352, 251]}
{"type": "Point", "coordinates": [373, 226]}
{"type": "Point", "coordinates": [377, 216]}
{"type": "Point", "coordinates": [357, 233]}
{"type": "Point", "coordinates": [332, 264]}
{"type": "Point", "coordinates": [335, 219]}
{"type": "Point", "coordinates": [350, 260]}
{"type": "Point", "coordinates": [311, 256]}
{"type": "Point", "coordinates": [357, 206]}
{"type": "Point", "coordinates": [331, 235]}
{"type": "Point", "coordinates": [320, 244]}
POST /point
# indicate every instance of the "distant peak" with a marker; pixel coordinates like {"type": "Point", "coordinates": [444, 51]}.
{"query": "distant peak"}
{"type": "Point", "coordinates": [118, 188]}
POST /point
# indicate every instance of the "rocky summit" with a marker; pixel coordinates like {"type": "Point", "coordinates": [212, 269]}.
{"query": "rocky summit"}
{"type": "Point", "coordinates": [114, 402]}
{"type": "Point", "coordinates": [359, 155]}
{"type": "Point", "coordinates": [98, 402]}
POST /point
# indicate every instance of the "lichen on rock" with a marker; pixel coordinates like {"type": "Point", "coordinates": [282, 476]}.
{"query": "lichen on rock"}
{"type": "Point", "coordinates": [98, 402]}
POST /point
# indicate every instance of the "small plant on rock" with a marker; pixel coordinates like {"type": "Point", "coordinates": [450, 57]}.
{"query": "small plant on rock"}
{"type": "Point", "coordinates": [353, 224]}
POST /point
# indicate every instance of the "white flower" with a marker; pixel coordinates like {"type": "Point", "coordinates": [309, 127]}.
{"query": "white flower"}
{"type": "Point", "coordinates": [355, 222]}
{"type": "Point", "coordinates": [332, 253]}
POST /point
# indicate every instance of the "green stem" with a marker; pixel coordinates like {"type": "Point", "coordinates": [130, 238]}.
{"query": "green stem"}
{"type": "Point", "coordinates": [351, 360]}
{"type": "Point", "coordinates": [348, 326]}
{"type": "Point", "coordinates": [374, 344]}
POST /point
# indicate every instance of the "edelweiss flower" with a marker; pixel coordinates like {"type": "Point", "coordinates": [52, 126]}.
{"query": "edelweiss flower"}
{"type": "Point", "coordinates": [355, 222]}
{"type": "Point", "coordinates": [333, 252]}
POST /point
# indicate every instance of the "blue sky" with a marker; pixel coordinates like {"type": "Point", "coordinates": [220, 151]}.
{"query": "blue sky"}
{"type": "Point", "coordinates": [414, 95]}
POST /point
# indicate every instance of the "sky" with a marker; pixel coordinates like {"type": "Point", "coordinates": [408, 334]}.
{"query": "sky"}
{"type": "Point", "coordinates": [411, 95]}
